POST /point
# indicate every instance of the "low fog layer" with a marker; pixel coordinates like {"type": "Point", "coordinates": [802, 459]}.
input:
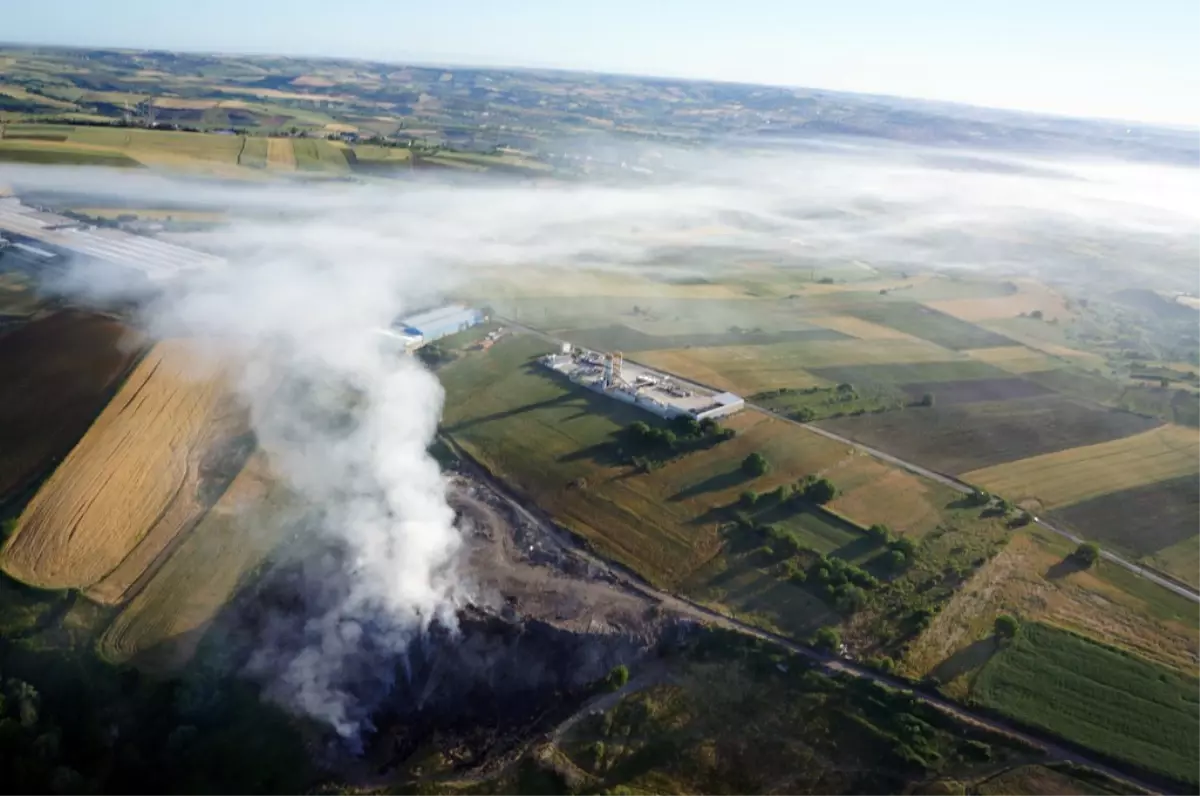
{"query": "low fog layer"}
{"type": "Point", "coordinates": [315, 270]}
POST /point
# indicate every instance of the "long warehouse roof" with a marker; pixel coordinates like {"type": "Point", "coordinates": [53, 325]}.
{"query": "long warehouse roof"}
{"type": "Point", "coordinates": [436, 316]}
{"type": "Point", "coordinates": [156, 258]}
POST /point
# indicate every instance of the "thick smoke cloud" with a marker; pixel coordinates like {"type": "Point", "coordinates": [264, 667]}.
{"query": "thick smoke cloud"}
{"type": "Point", "coordinates": [314, 271]}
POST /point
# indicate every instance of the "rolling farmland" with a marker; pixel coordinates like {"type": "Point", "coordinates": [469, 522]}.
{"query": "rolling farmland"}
{"type": "Point", "coordinates": [968, 391]}
{"type": "Point", "coordinates": [36, 152]}
{"type": "Point", "coordinates": [1154, 521]}
{"type": "Point", "coordinates": [901, 372]}
{"type": "Point", "coordinates": [254, 153]}
{"type": "Point", "coordinates": [969, 437]}
{"type": "Point", "coordinates": [544, 435]}
{"type": "Point", "coordinates": [163, 147]}
{"type": "Point", "coordinates": [858, 328]}
{"type": "Point", "coordinates": [758, 368]}
{"type": "Point", "coordinates": [929, 324]}
{"type": "Point", "coordinates": [161, 626]}
{"type": "Point", "coordinates": [317, 155]}
{"type": "Point", "coordinates": [1077, 474]}
{"type": "Point", "coordinates": [1032, 297]}
{"type": "Point", "coordinates": [281, 155]}
{"type": "Point", "coordinates": [59, 371]}
{"type": "Point", "coordinates": [1015, 359]}
{"type": "Point", "coordinates": [1102, 698]}
{"type": "Point", "coordinates": [145, 471]}
{"type": "Point", "coordinates": [1032, 578]}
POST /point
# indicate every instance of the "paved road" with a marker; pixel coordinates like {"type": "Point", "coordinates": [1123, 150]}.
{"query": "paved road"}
{"type": "Point", "coordinates": [1174, 586]}
{"type": "Point", "coordinates": [830, 664]}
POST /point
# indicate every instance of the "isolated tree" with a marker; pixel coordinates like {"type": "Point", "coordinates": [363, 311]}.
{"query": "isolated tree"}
{"type": "Point", "coordinates": [748, 499]}
{"type": "Point", "coordinates": [1006, 626]}
{"type": "Point", "coordinates": [927, 399]}
{"type": "Point", "coordinates": [820, 491]}
{"type": "Point", "coordinates": [755, 465]}
{"type": "Point", "coordinates": [827, 638]}
{"type": "Point", "coordinates": [1087, 554]}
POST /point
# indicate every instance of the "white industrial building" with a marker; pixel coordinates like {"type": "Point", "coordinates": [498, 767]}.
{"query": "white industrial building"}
{"type": "Point", "coordinates": [413, 331]}
{"type": "Point", "coordinates": [42, 233]}
{"type": "Point", "coordinates": [655, 392]}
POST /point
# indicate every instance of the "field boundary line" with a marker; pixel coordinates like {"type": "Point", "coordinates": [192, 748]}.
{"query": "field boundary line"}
{"type": "Point", "coordinates": [832, 666]}
{"type": "Point", "coordinates": [1149, 573]}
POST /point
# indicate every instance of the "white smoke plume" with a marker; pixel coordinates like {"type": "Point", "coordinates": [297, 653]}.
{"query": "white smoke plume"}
{"type": "Point", "coordinates": [316, 270]}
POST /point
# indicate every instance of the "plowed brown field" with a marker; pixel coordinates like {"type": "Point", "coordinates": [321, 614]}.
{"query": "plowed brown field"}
{"type": "Point", "coordinates": [57, 373]}
{"type": "Point", "coordinates": [146, 470]}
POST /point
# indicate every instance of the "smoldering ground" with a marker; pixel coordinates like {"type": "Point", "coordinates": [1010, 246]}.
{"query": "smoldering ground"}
{"type": "Point", "coordinates": [313, 271]}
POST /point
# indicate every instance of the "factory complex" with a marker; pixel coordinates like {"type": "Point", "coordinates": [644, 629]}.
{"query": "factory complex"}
{"type": "Point", "coordinates": [655, 392]}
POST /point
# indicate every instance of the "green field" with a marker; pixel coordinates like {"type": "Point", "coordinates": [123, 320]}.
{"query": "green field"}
{"type": "Point", "coordinates": [815, 403]}
{"type": "Point", "coordinates": [1107, 700]}
{"type": "Point", "coordinates": [624, 338]}
{"type": "Point", "coordinates": [254, 153]}
{"type": "Point", "coordinates": [928, 324]}
{"type": "Point", "coordinates": [316, 155]}
{"type": "Point", "coordinates": [905, 373]}
{"type": "Point", "coordinates": [24, 152]}
{"type": "Point", "coordinates": [554, 442]}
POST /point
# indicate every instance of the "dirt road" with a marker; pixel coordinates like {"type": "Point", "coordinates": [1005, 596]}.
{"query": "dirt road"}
{"type": "Point", "coordinates": [1178, 588]}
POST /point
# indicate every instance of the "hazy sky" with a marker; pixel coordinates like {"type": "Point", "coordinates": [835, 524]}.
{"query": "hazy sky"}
{"type": "Point", "coordinates": [1129, 59]}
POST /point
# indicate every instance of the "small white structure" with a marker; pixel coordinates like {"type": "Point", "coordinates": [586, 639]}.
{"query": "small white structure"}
{"type": "Point", "coordinates": [724, 403]}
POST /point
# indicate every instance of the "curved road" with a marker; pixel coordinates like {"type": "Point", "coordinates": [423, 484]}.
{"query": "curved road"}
{"type": "Point", "coordinates": [830, 664]}
{"type": "Point", "coordinates": [1174, 586]}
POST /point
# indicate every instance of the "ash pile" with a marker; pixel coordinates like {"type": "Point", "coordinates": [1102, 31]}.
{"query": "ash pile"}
{"type": "Point", "coordinates": [544, 629]}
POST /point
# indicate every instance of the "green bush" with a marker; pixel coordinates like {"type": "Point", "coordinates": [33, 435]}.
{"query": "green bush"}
{"type": "Point", "coordinates": [1006, 626]}
{"type": "Point", "coordinates": [820, 491]}
{"type": "Point", "coordinates": [617, 677]}
{"type": "Point", "coordinates": [827, 638]}
{"type": "Point", "coordinates": [755, 465]}
{"type": "Point", "coordinates": [1087, 554]}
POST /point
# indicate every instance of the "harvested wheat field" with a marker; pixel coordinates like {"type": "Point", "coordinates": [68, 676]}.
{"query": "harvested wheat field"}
{"type": "Point", "coordinates": [1033, 578]}
{"type": "Point", "coordinates": [857, 327]}
{"type": "Point", "coordinates": [162, 625]}
{"type": "Point", "coordinates": [1076, 474]}
{"type": "Point", "coordinates": [1030, 297]}
{"type": "Point", "coordinates": [58, 372]}
{"type": "Point", "coordinates": [1015, 359]}
{"type": "Point", "coordinates": [146, 470]}
{"type": "Point", "coordinates": [280, 154]}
